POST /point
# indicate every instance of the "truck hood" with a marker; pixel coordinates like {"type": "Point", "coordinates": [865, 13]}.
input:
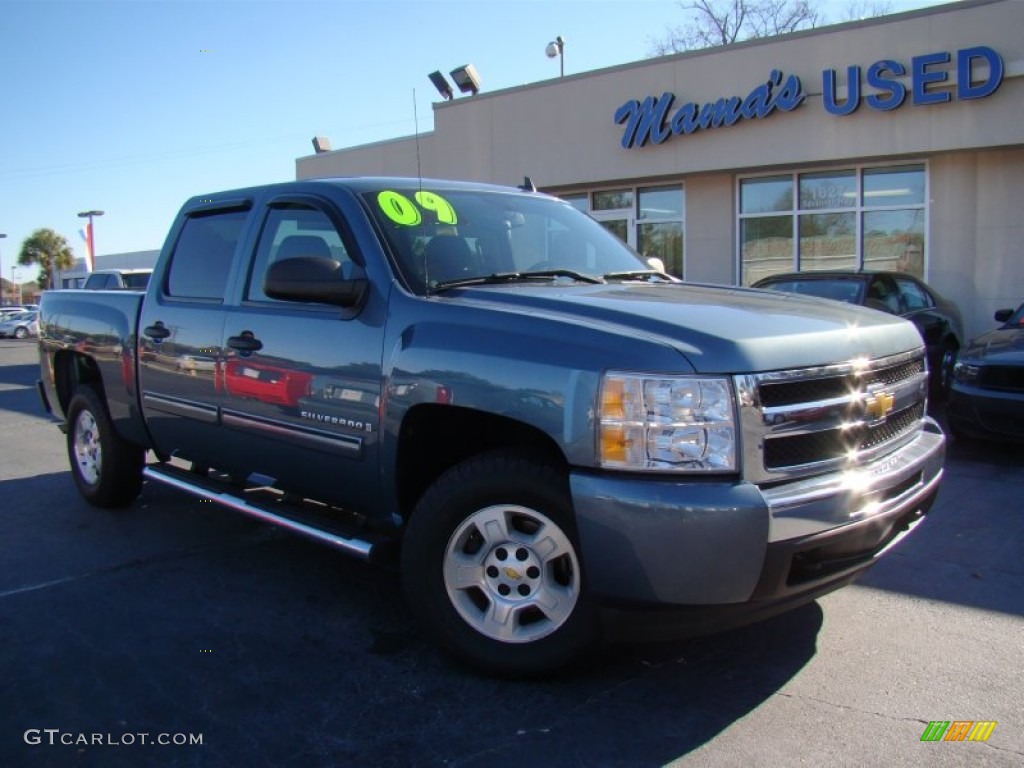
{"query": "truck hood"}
{"type": "Point", "coordinates": [718, 329]}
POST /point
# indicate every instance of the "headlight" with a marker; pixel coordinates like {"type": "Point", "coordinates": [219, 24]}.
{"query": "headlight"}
{"type": "Point", "coordinates": [659, 423]}
{"type": "Point", "coordinates": [965, 374]}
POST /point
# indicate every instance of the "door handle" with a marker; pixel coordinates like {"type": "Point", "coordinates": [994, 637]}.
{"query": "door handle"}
{"type": "Point", "coordinates": [157, 332]}
{"type": "Point", "coordinates": [245, 343]}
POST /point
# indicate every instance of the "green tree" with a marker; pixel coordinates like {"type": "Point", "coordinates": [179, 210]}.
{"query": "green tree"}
{"type": "Point", "coordinates": [49, 250]}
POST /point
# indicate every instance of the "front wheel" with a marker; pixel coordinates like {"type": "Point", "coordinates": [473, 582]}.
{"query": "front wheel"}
{"type": "Point", "coordinates": [491, 567]}
{"type": "Point", "coordinates": [106, 467]}
{"type": "Point", "coordinates": [20, 332]}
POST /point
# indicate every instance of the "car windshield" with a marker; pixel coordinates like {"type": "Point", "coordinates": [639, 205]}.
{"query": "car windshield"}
{"type": "Point", "coordinates": [19, 317]}
{"type": "Point", "coordinates": [849, 290]}
{"type": "Point", "coordinates": [444, 236]}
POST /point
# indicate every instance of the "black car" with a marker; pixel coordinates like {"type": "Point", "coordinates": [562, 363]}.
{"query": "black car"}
{"type": "Point", "coordinates": [987, 397]}
{"type": "Point", "coordinates": [937, 318]}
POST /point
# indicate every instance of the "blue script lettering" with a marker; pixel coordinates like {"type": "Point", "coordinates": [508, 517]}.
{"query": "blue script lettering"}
{"type": "Point", "coordinates": [646, 121]}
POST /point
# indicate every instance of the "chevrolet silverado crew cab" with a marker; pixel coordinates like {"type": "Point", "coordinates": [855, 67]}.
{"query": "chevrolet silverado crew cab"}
{"type": "Point", "coordinates": [555, 442]}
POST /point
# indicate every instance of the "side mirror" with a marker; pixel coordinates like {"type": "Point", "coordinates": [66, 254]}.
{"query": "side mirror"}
{"type": "Point", "coordinates": [313, 278]}
{"type": "Point", "coordinates": [1002, 315]}
{"type": "Point", "coordinates": [656, 264]}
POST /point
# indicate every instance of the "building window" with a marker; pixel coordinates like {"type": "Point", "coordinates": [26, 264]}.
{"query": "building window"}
{"type": "Point", "coordinates": [850, 218]}
{"type": "Point", "coordinates": [579, 202]}
{"type": "Point", "coordinates": [659, 229]}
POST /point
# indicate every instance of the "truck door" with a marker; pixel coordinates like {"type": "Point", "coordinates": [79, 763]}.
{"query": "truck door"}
{"type": "Point", "coordinates": [302, 381]}
{"type": "Point", "coordinates": [180, 328]}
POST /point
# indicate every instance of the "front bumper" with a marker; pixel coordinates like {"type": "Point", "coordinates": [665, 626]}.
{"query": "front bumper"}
{"type": "Point", "coordinates": [725, 550]}
{"type": "Point", "coordinates": [986, 413]}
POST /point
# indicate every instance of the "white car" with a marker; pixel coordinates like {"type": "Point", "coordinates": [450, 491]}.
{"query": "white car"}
{"type": "Point", "coordinates": [20, 325]}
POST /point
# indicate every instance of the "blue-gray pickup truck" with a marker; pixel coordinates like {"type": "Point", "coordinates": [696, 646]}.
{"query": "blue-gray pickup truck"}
{"type": "Point", "coordinates": [555, 441]}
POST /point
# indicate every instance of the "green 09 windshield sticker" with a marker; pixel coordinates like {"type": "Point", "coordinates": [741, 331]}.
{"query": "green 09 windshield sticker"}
{"type": "Point", "coordinates": [401, 210]}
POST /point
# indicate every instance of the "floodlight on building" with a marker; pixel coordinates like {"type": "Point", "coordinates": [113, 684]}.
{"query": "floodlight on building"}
{"type": "Point", "coordinates": [321, 144]}
{"type": "Point", "coordinates": [557, 48]}
{"type": "Point", "coordinates": [467, 79]}
{"type": "Point", "coordinates": [442, 86]}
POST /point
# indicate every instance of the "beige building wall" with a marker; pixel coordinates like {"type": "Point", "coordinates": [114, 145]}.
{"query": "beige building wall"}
{"type": "Point", "coordinates": [562, 134]}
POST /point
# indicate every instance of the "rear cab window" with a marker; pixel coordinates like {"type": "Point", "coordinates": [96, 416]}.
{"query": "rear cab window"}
{"type": "Point", "coordinates": [202, 258]}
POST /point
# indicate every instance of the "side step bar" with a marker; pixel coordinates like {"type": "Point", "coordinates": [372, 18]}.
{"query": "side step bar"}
{"type": "Point", "coordinates": [317, 527]}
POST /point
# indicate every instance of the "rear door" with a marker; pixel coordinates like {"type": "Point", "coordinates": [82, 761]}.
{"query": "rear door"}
{"type": "Point", "coordinates": [180, 329]}
{"type": "Point", "coordinates": [302, 381]}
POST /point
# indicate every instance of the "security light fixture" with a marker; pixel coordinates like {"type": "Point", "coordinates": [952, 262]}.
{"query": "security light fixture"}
{"type": "Point", "coordinates": [467, 79]}
{"type": "Point", "coordinates": [556, 48]}
{"type": "Point", "coordinates": [442, 86]}
{"type": "Point", "coordinates": [321, 144]}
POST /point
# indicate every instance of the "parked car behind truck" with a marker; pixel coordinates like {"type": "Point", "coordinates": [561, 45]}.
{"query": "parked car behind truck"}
{"type": "Point", "coordinates": [937, 318]}
{"type": "Point", "coordinates": [558, 436]}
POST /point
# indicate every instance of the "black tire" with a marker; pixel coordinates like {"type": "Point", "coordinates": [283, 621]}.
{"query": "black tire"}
{"type": "Point", "coordinates": [943, 382]}
{"type": "Point", "coordinates": [20, 332]}
{"type": "Point", "coordinates": [496, 534]}
{"type": "Point", "coordinates": [106, 467]}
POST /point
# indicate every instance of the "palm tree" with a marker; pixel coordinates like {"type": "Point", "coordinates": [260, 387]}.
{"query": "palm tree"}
{"type": "Point", "coordinates": [49, 250]}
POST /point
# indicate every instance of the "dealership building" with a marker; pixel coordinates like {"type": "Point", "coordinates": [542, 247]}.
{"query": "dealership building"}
{"type": "Point", "coordinates": [889, 143]}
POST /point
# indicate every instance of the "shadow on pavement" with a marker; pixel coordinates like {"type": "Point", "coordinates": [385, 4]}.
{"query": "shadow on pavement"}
{"type": "Point", "coordinates": [179, 617]}
{"type": "Point", "coordinates": [968, 550]}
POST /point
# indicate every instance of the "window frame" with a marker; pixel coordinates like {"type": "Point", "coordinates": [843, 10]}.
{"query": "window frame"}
{"type": "Point", "coordinates": [859, 209]}
{"type": "Point", "coordinates": [340, 224]}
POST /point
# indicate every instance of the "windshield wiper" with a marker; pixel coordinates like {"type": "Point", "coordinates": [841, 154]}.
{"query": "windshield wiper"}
{"type": "Point", "coordinates": [638, 274]}
{"type": "Point", "coordinates": [514, 277]}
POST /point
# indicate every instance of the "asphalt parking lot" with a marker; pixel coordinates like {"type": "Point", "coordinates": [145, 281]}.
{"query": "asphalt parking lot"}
{"type": "Point", "coordinates": [179, 620]}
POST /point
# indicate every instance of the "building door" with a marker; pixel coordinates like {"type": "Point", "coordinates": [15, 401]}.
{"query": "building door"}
{"type": "Point", "coordinates": [621, 223]}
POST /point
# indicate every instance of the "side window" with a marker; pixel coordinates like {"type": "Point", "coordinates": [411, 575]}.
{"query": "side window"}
{"type": "Point", "coordinates": [295, 230]}
{"type": "Point", "coordinates": [203, 255]}
{"type": "Point", "coordinates": [883, 290]}
{"type": "Point", "coordinates": [913, 296]}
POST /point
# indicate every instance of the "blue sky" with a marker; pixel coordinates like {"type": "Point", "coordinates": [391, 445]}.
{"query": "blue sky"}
{"type": "Point", "coordinates": [131, 107]}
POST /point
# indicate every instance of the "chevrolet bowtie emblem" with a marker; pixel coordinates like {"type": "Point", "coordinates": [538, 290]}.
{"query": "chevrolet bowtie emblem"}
{"type": "Point", "coordinates": [512, 573]}
{"type": "Point", "coordinates": [878, 405]}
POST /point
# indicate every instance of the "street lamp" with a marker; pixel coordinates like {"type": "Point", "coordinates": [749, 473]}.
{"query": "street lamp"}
{"type": "Point", "coordinates": [91, 260]}
{"type": "Point", "coordinates": [557, 48]}
{"type": "Point", "coordinates": [2, 236]}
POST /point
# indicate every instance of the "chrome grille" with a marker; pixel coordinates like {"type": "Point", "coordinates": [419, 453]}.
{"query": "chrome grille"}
{"type": "Point", "coordinates": [802, 422]}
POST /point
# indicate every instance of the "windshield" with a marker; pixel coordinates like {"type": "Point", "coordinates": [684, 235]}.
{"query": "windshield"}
{"type": "Point", "coordinates": [136, 280]}
{"type": "Point", "coordinates": [838, 289]}
{"type": "Point", "coordinates": [441, 236]}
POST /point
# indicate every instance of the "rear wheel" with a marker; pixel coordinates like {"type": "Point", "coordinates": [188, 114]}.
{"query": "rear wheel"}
{"type": "Point", "coordinates": [491, 567]}
{"type": "Point", "coordinates": [946, 365]}
{"type": "Point", "coordinates": [106, 467]}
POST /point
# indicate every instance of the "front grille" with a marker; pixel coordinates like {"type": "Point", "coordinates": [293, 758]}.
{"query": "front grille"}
{"type": "Point", "coordinates": [839, 442]}
{"type": "Point", "coordinates": [806, 391]}
{"type": "Point", "coordinates": [801, 422]}
{"type": "Point", "coordinates": [1001, 378]}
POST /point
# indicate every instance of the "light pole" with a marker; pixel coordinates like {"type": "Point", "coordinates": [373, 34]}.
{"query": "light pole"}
{"type": "Point", "coordinates": [557, 48]}
{"type": "Point", "coordinates": [89, 262]}
{"type": "Point", "coordinates": [20, 297]}
{"type": "Point", "coordinates": [2, 236]}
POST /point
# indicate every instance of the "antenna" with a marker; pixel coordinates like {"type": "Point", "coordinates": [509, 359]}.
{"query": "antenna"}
{"type": "Point", "coordinates": [416, 128]}
{"type": "Point", "coordinates": [419, 180]}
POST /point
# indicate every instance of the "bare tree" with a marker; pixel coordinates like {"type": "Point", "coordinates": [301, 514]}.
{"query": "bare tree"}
{"type": "Point", "coordinates": [865, 9]}
{"type": "Point", "coordinates": [723, 22]}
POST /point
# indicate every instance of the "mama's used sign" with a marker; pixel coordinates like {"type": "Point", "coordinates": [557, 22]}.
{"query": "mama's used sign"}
{"type": "Point", "coordinates": [654, 119]}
